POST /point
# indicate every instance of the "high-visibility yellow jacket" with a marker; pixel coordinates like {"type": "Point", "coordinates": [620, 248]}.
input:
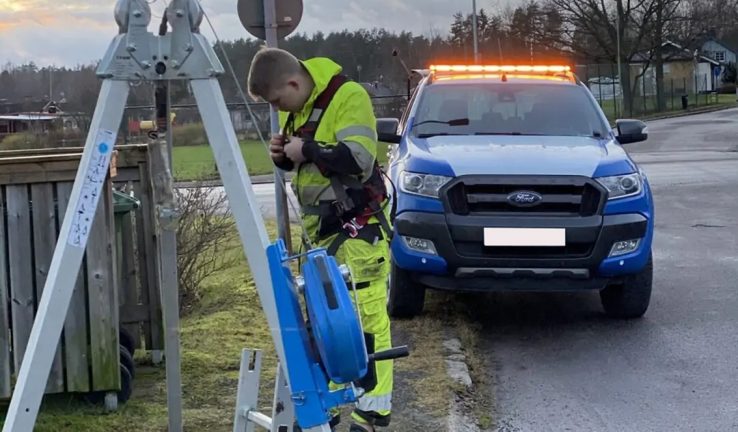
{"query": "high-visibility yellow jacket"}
{"type": "Point", "coordinates": [344, 143]}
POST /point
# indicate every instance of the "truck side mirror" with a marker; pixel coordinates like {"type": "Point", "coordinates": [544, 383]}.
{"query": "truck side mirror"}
{"type": "Point", "coordinates": [387, 130]}
{"type": "Point", "coordinates": [631, 131]}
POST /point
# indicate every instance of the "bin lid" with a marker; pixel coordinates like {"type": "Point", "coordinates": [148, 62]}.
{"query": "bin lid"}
{"type": "Point", "coordinates": [124, 203]}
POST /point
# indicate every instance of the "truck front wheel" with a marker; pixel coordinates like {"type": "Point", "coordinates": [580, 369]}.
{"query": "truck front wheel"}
{"type": "Point", "coordinates": [406, 297]}
{"type": "Point", "coordinates": [631, 298]}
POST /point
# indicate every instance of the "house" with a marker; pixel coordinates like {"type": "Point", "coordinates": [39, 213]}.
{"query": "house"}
{"type": "Point", "coordinates": [718, 50]}
{"type": "Point", "coordinates": [50, 119]}
{"type": "Point", "coordinates": [25, 122]}
{"type": "Point", "coordinates": [685, 71]}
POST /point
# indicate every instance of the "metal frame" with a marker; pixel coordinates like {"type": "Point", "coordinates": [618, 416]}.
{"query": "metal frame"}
{"type": "Point", "coordinates": [135, 55]}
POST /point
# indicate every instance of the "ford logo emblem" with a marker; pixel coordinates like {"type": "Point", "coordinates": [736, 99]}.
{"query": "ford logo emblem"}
{"type": "Point", "coordinates": [524, 198]}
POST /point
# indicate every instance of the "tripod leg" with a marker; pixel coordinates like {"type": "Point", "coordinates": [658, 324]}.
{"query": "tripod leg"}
{"type": "Point", "coordinates": [65, 264]}
{"type": "Point", "coordinates": [283, 412]}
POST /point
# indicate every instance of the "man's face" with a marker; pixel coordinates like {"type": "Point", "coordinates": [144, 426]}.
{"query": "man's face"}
{"type": "Point", "coordinates": [287, 98]}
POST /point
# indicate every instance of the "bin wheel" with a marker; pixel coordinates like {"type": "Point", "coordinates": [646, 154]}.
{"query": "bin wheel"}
{"type": "Point", "coordinates": [126, 385]}
{"type": "Point", "coordinates": [126, 359]}
{"type": "Point", "coordinates": [127, 340]}
{"type": "Point", "coordinates": [124, 394]}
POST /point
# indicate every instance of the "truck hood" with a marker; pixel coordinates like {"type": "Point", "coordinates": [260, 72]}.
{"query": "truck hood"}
{"type": "Point", "coordinates": [525, 155]}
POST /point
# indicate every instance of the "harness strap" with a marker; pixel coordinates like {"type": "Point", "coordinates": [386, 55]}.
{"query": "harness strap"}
{"type": "Point", "coordinates": [370, 233]}
{"type": "Point", "coordinates": [307, 131]}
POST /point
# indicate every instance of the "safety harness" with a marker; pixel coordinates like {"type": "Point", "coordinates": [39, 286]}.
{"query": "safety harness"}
{"type": "Point", "coordinates": [355, 202]}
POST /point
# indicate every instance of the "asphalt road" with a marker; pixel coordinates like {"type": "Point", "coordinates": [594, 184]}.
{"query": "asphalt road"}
{"type": "Point", "coordinates": [558, 364]}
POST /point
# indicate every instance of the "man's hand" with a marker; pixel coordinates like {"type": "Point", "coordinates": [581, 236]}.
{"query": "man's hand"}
{"type": "Point", "coordinates": [293, 150]}
{"type": "Point", "coordinates": [276, 148]}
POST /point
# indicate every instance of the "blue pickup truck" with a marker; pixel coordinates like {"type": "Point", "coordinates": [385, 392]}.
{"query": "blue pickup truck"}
{"type": "Point", "coordinates": [510, 178]}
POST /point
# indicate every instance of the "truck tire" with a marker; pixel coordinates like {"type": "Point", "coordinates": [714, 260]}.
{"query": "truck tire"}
{"type": "Point", "coordinates": [631, 299]}
{"type": "Point", "coordinates": [406, 297]}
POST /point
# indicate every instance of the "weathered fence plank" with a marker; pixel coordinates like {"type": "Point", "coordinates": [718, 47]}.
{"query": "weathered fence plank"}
{"type": "Point", "coordinates": [22, 296]}
{"type": "Point", "coordinates": [5, 369]}
{"type": "Point", "coordinates": [76, 355]}
{"type": "Point", "coordinates": [148, 219]}
{"type": "Point", "coordinates": [142, 254]}
{"type": "Point", "coordinates": [43, 216]}
{"type": "Point", "coordinates": [128, 288]}
{"type": "Point", "coordinates": [102, 299]}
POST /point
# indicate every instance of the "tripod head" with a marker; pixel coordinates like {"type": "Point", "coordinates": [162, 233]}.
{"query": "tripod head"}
{"type": "Point", "coordinates": [137, 54]}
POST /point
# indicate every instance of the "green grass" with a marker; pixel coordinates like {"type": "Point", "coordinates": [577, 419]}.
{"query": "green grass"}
{"type": "Point", "coordinates": [197, 162]}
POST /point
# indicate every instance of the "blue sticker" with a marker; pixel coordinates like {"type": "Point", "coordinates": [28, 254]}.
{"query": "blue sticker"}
{"type": "Point", "coordinates": [103, 148]}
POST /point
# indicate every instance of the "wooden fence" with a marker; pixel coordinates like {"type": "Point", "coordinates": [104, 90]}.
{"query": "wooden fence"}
{"type": "Point", "coordinates": [117, 285]}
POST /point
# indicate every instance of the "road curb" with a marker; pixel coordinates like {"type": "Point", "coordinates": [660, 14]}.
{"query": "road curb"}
{"type": "Point", "coordinates": [459, 419]}
{"type": "Point", "coordinates": [687, 113]}
{"type": "Point", "coordinates": [257, 179]}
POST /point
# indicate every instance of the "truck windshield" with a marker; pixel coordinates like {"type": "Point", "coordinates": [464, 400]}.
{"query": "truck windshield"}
{"type": "Point", "coordinates": [507, 108]}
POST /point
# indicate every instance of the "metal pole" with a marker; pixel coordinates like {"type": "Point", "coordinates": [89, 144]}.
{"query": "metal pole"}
{"type": "Point", "coordinates": [167, 244]}
{"type": "Point", "coordinates": [280, 193]}
{"type": "Point", "coordinates": [620, 71]}
{"type": "Point", "coordinates": [474, 31]}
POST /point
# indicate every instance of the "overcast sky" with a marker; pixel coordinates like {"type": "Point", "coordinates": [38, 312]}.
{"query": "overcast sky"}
{"type": "Point", "coordinates": [70, 32]}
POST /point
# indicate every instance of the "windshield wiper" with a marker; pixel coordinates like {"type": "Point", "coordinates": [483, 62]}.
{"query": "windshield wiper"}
{"type": "Point", "coordinates": [509, 133]}
{"type": "Point", "coordinates": [454, 122]}
{"type": "Point", "coordinates": [428, 135]}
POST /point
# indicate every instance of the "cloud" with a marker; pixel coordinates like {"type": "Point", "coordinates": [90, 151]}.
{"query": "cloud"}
{"type": "Point", "coordinates": [79, 31]}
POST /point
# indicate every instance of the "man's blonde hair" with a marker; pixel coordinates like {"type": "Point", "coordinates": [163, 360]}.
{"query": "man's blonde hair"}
{"type": "Point", "coordinates": [270, 69]}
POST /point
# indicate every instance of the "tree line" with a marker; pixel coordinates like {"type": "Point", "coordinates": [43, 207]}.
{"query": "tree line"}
{"type": "Point", "coordinates": [575, 31]}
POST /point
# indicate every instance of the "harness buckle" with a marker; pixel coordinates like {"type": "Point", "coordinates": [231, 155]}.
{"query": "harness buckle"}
{"type": "Point", "coordinates": [343, 206]}
{"type": "Point", "coordinates": [352, 227]}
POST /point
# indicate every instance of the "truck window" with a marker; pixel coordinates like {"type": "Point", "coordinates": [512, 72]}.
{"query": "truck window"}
{"type": "Point", "coordinates": [508, 109]}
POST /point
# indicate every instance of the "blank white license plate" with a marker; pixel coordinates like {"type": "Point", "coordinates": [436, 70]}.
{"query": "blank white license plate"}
{"type": "Point", "coordinates": [524, 237]}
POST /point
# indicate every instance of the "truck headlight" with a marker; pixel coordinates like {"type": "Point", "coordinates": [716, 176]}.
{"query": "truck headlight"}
{"type": "Point", "coordinates": [422, 184]}
{"type": "Point", "coordinates": [622, 186]}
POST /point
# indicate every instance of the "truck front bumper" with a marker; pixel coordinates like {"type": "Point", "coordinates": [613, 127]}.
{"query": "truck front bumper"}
{"type": "Point", "coordinates": [462, 262]}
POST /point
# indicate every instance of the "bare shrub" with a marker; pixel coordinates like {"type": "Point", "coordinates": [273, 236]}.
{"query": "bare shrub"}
{"type": "Point", "coordinates": [205, 234]}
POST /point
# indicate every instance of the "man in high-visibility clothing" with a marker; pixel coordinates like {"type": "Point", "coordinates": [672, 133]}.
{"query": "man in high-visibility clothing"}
{"type": "Point", "coordinates": [328, 136]}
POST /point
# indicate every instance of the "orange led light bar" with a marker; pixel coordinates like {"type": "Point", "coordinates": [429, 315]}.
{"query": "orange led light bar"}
{"type": "Point", "coordinates": [466, 76]}
{"type": "Point", "coordinates": [499, 68]}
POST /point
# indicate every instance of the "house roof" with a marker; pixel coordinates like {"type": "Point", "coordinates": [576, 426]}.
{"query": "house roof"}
{"type": "Point", "coordinates": [672, 51]}
{"type": "Point", "coordinates": [28, 117]}
{"type": "Point", "coordinates": [700, 42]}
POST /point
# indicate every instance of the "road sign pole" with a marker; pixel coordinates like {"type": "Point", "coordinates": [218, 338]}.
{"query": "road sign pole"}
{"type": "Point", "coordinates": [280, 193]}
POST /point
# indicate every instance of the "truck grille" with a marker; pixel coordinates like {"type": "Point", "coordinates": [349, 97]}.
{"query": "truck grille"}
{"type": "Point", "coordinates": [478, 250]}
{"type": "Point", "coordinates": [559, 196]}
